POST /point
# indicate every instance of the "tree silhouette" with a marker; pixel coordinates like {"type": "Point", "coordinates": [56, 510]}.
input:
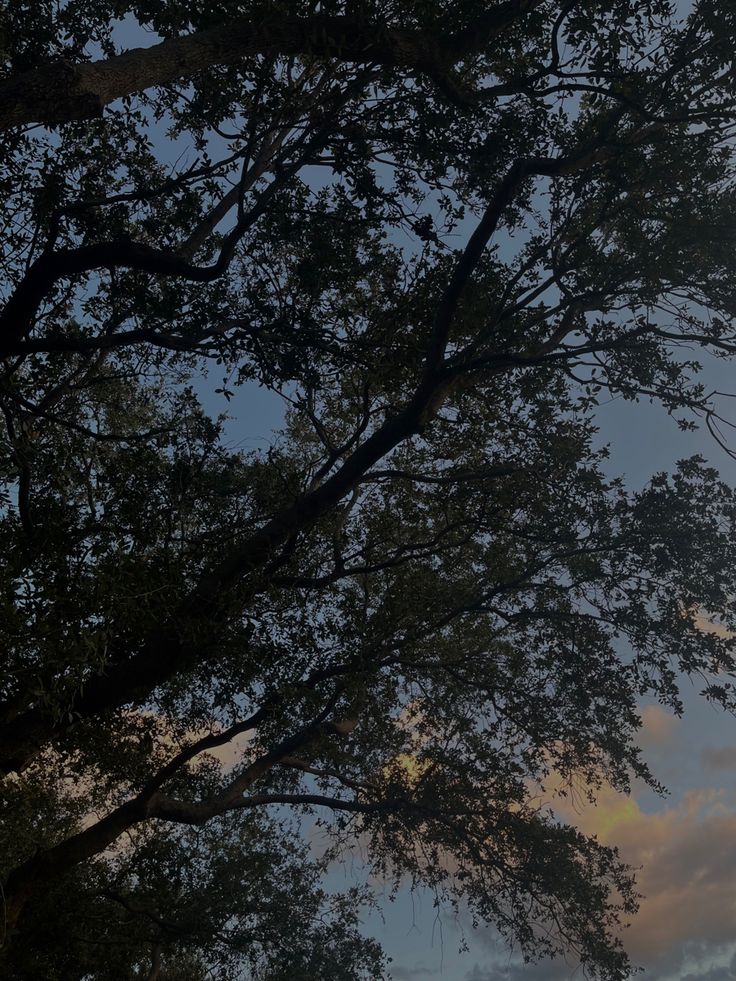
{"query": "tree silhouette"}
{"type": "Point", "coordinates": [439, 232]}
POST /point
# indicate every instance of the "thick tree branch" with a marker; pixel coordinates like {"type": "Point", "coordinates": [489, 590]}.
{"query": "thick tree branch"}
{"type": "Point", "coordinates": [62, 92]}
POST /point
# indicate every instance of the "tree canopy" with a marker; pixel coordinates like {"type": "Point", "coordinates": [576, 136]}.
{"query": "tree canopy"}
{"type": "Point", "coordinates": [440, 233]}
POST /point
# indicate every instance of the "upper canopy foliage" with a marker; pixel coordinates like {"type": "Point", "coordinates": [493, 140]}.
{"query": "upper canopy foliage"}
{"type": "Point", "coordinates": [439, 231]}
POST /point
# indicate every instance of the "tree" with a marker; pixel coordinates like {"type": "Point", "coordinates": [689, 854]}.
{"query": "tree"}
{"type": "Point", "coordinates": [439, 232]}
{"type": "Point", "coordinates": [176, 902]}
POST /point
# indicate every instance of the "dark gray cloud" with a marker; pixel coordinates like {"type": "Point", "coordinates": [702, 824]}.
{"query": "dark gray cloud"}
{"type": "Point", "coordinates": [712, 974]}
{"type": "Point", "coordinates": [518, 971]}
{"type": "Point", "coordinates": [719, 758]}
{"type": "Point", "coordinates": [415, 973]}
{"type": "Point", "coordinates": [561, 971]}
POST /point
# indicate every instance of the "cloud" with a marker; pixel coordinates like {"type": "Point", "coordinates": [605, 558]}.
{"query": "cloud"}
{"type": "Point", "coordinates": [719, 758]}
{"type": "Point", "coordinates": [711, 974]}
{"type": "Point", "coordinates": [658, 726]}
{"type": "Point", "coordinates": [415, 973]}
{"type": "Point", "coordinates": [686, 856]}
{"type": "Point", "coordinates": [685, 861]}
{"type": "Point", "coordinates": [709, 626]}
{"type": "Point", "coordinates": [518, 971]}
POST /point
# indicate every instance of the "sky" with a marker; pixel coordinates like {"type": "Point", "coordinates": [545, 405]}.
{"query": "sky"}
{"type": "Point", "coordinates": [684, 843]}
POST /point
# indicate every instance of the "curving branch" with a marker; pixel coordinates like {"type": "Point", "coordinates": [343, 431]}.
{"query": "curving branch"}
{"type": "Point", "coordinates": [25, 880]}
{"type": "Point", "coordinates": [18, 315]}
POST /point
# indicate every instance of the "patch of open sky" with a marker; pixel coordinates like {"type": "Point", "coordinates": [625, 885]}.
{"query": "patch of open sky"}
{"type": "Point", "coordinates": [128, 32]}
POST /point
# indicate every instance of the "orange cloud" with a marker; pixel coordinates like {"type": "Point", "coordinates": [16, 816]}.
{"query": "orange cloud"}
{"type": "Point", "coordinates": [686, 856]}
{"type": "Point", "coordinates": [658, 725]}
{"type": "Point", "coordinates": [709, 626]}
